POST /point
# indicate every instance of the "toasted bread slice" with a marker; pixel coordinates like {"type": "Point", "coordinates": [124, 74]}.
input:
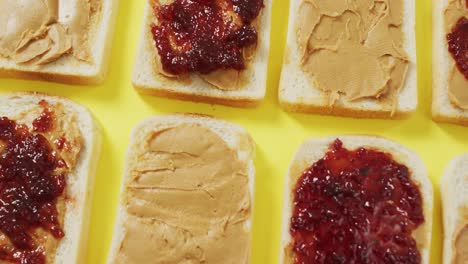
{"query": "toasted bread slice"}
{"type": "Point", "coordinates": [80, 181]}
{"type": "Point", "coordinates": [298, 94]}
{"type": "Point", "coordinates": [454, 193]}
{"type": "Point", "coordinates": [147, 80]}
{"type": "Point", "coordinates": [67, 69]}
{"type": "Point", "coordinates": [442, 109]}
{"type": "Point", "coordinates": [236, 138]}
{"type": "Point", "coordinates": [314, 149]}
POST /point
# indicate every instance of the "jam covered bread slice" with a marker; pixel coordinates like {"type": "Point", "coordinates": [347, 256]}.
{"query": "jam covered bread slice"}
{"type": "Point", "coordinates": [356, 199]}
{"type": "Point", "coordinates": [450, 67]}
{"type": "Point", "coordinates": [454, 193]}
{"type": "Point", "coordinates": [66, 41]}
{"type": "Point", "coordinates": [213, 51]}
{"type": "Point", "coordinates": [186, 193]}
{"type": "Point", "coordinates": [49, 148]}
{"type": "Point", "coordinates": [350, 58]}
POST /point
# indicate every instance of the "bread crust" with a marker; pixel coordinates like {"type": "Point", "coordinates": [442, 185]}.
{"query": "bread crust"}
{"type": "Point", "coordinates": [457, 120]}
{"type": "Point", "coordinates": [52, 77]}
{"type": "Point", "coordinates": [244, 102]}
{"type": "Point", "coordinates": [343, 111]}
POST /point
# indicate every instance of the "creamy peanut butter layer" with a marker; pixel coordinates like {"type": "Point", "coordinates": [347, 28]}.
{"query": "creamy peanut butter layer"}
{"type": "Point", "coordinates": [41, 31]}
{"type": "Point", "coordinates": [188, 201]}
{"type": "Point", "coordinates": [353, 49]}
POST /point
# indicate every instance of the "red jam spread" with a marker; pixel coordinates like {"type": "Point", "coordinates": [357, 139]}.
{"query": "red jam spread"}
{"type": "Point", "coordinates": [29, 188]}
{"type": "Point", "coordinates": [355, 206]}
{"type": "Point", "coordinates": [458, 45]}
{"type": "Point", "coordinates": [204, 35]}
{"type": "Point", "coordinates": [45, 121]}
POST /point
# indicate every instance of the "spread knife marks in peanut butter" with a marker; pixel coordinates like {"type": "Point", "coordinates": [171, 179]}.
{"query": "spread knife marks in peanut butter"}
{"type": "Point", "coordinates": [457, 83]}
{"type": "Point", "coordinates": [353, 49]}
{"type": "Point", "coordinates": [41, 31]}
{"type": "Point", "coordinates": [188, 201]}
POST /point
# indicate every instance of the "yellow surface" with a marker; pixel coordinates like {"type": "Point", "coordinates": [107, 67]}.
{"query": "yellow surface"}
{"type": "Point", "coordinates": [119, 108]}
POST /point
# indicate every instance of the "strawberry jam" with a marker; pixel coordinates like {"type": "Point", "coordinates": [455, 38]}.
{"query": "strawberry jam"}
{"type": "Point", "coordinates": [29, 189]}
{"type": "Point", "coordinates": [355, 206]}
{"type": "Point", "coordinates": [44, 122]}
{"type": "Point", "coordinates": [204, 35]}
{"type": "Point", "coordinates": [458, 45]}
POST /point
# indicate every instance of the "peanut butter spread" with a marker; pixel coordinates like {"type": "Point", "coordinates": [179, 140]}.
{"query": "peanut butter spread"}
{"type": "Point", "coordinates": [353, 48]}
{"type": "Point", "coordinates": [188, 201]}
{"type": "Point", "coordinates": [457, 83]}
{"type": "Point", "coordinates": [41, 31]}
{"type": "Point", "coordinates": [64, 126]}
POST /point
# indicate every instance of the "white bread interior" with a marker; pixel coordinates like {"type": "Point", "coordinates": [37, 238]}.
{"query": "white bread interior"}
{"type": "Point", "coordinates": [454, 193]}
{"type": "Point", "coordinates": [314, 149]}
{"type": "Point", "coordinates": [68, 69]}
{"type": "Point", "coordinates": [236, 137]}
{"type": "Point", "coordinates": [147, 81]}
{"type": "Point", "coordinates": [80, 183]}
{"type": "Point", "coordinates": [297, 94]}
{"type": "Point", "coordinates": [442, 109]}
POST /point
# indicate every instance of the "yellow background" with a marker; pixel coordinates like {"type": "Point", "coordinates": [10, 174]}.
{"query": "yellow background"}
{"type": "Point", "coordinates": [118, 108]}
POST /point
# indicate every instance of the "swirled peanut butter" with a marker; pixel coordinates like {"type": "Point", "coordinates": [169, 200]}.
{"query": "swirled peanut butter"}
{"type": "Point", "coordinates": [457, 82]}
{"type": "Point", "coordinates": [188, 201]}
{"type": "Point", "coordinates": [41, 31]}
{"type": "Point", "coordinates": [353, 49]}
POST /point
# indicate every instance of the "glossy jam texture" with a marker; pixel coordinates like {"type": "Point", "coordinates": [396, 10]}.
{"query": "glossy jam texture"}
{"type": "Point", "coordinates": [355, 206]}
{"type": "Point", "coordinates": [202, 36]}
{"type": "Point", "coordinates": [458, 45]}
{"type": "Point", "coordinates": [29, 188]}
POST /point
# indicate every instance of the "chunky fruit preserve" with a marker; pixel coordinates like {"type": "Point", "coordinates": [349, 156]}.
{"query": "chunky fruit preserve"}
{"type": "Point", "coordinates": [204, 35]}
{"type": "Point", "coordinates": [458, 45]}
{"type": "Point", "coordinates": [355, 206]}
{"type": "Point", "coordinates": [30, 186]}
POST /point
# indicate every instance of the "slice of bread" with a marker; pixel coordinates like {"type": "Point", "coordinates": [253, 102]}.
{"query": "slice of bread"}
{"type": "Point", "coordinates": [236, 137]}
{"type": "Point", "coordinates": [148, 81]}
{"type": "Point", "coordinates": [442, 109]}
{"type": "Point", "coordinates": [68, 69]}
{"type": "Point", "coordinates": [314, 149]}
{"type": "Point", "coordinates": [80, 182]}
{"type": "Point", "coordinates": [297, 94]}
{"type": "Point", "coordinates": [454, 193]}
